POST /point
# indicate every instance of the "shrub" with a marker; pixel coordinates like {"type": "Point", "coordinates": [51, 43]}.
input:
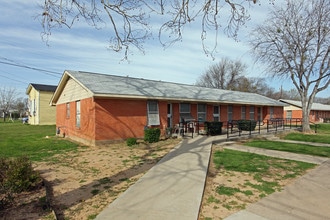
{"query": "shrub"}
{"type": "Point", "coordinates": [247, 125]}
{"type": "Point", "coordinates": [16, 175]}
{"type": "Point", "coordinates": [151, 135]}
{"type": "Point", "coordinates": [131, 141]}
{"type": "Point", "coordinates": [214, 128]}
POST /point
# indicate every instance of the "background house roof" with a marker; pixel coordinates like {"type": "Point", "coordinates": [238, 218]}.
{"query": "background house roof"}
{"type": "Point", "coordinates": [315, 106]}
{"type": "Point", "coordinates": [102, 85]}
{"type": "Point", "coordinates": [41, 87]}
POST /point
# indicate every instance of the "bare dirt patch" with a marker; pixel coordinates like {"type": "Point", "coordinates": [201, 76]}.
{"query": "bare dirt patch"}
{"type": "Point", "coordinates": [82, 183]}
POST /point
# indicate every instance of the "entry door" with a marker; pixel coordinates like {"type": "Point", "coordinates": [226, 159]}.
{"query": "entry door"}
{"type": "Point", "coordinates": [169, 115]}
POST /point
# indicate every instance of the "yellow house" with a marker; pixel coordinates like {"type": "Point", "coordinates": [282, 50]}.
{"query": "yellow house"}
{"type": "Point", "coordinates": [40, 112]}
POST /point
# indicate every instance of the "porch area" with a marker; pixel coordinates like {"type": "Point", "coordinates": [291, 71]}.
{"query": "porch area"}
{"type": "Point", "coordinates": [233, 128]}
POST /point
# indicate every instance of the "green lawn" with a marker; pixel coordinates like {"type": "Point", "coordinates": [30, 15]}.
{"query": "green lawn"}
{"type": "Point", "coordinates": [290, 147]}
{"type": "Point", "coordinates": [259, 166]}
{"type": "Point", "coordinates": [323, 128]}
{"type": "Point", "coordinates": [253, 163]}
{"type": "Point", "coordinates": [322, 135]}
{"type": "Point", "coordinates": [38, 142]}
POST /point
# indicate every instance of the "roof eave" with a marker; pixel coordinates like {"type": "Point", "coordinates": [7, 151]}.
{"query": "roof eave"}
{"type": "Point", "coordinates": [103, 95]}
{"type": "Point", "coordinates": [28, 89]}
{"type": "Point", "coordinates": [59, 89]}
{"type": "Point", "coordinates": [65, 77]}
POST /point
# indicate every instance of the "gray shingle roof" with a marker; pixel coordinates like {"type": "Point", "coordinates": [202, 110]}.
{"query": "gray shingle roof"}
{"type": "Point", "coordinates": [315, 106]}
{"type": "Point", "coordinates": [112, 86]}
{"type": "Point", "coordinates": [42, 87]}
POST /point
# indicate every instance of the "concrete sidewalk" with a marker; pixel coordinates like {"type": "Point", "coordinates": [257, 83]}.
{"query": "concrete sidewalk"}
{"type": "Point", "coordinates": [173, 189]}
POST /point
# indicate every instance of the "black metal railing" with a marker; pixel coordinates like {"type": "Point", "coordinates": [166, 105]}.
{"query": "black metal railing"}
{"type": "Point", "coordinates": [237, 128]}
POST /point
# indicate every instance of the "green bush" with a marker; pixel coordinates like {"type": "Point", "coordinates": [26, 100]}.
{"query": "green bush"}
{"type": "Point", "coordinates": [213, 128]}
{"type": "Point", "coordinates": [247, 125]}
{"type": "Point", "coordinates": [131, 142]}
{"type": "Point", "coordinates": [151, 135]}
{"type": "Point", "coordinates": [16, 175]}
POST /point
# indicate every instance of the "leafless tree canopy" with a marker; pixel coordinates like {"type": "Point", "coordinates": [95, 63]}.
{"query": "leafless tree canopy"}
{"type": "Point", "coordinates": [7, 101]}
{"type": "Point", "coordinates": [228, 74]}
{"type": "Point", "coordinates": [225, 74]}
{"type": "Point", "coordinates": [295, 43]}
{"type": "Point", "coordinates": [130, 19]}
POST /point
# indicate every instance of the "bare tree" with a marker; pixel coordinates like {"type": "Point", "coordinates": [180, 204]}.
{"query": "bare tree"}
{"type": "Point", "coordinates": [22, 106]}
{"type": "Point", "coordinates": [295, 43]}
{"type": "Point", "coordinates": [325, 101]}
{"type": "Point", "coordinates": [223, 75]}
{"type": "Point", "coordinates": [292, 94]}
{"type": "Point", "coordinates": [254, 85]}
{"type": "Point", "coordinates": [7, 101]}
{"type": "Point", "coordinates": [130, 19]}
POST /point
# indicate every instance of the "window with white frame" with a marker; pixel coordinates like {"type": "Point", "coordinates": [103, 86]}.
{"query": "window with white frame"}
{"type": "Point", "coordinates": [201, 112]}
{"type": "Point", "coordinates": [289, 113]}
{"type": "Point", "coordinates": [68, 110]}
{"type": "Point", "coordinates": [31, 107]}
{"type": "Point", "coordinates": [185, 111]}
{"type": "Point", "coordinates": [33, 111]}
{"type": "Point", "coordinates": [216, 113]}
{"type": "Point", "coordinates": [243, 112]}
{"type": "Point", "coordinates": [153, 113]}
{"type": "Point", "coordinates": [230, 112]}
{"type": "Point", "coordinates": [78, 114]}
{"type": "Point", "coordinates": [251, 112]}
{"type": "Point", "coordinates": [184, 108]}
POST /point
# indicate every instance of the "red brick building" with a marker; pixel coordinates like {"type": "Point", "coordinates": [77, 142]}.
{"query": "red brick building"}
{"type": "Point", "coordinates": [95, 108]}
{"type": "Point", "coordinates": [318, 112]}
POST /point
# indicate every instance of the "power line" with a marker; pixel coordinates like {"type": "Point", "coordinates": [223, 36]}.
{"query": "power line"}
{"type": "Point", "coordinates": [48, 72]}
{"type": "Point", "coordinates": [13, 79]}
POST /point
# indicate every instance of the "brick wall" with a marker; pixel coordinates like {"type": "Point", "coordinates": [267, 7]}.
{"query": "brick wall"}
{"type": "Point", "coordinates": [67, 123]}
{"type": "Point", "coordinates": [119, 119]}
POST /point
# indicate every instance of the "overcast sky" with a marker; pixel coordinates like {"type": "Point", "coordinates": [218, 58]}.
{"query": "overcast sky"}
{"type": "Point", "coordinates": [25, 58]}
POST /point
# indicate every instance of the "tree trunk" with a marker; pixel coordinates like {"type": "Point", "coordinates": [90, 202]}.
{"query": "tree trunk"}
{"type": "Point", "coordinates": [305, 126]}
{"type": "Point", "coordinates": [305, 107]}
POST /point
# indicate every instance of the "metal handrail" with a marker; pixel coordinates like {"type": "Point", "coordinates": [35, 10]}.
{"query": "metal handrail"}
{"type": "Point", "coordinates": [274, 124]}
